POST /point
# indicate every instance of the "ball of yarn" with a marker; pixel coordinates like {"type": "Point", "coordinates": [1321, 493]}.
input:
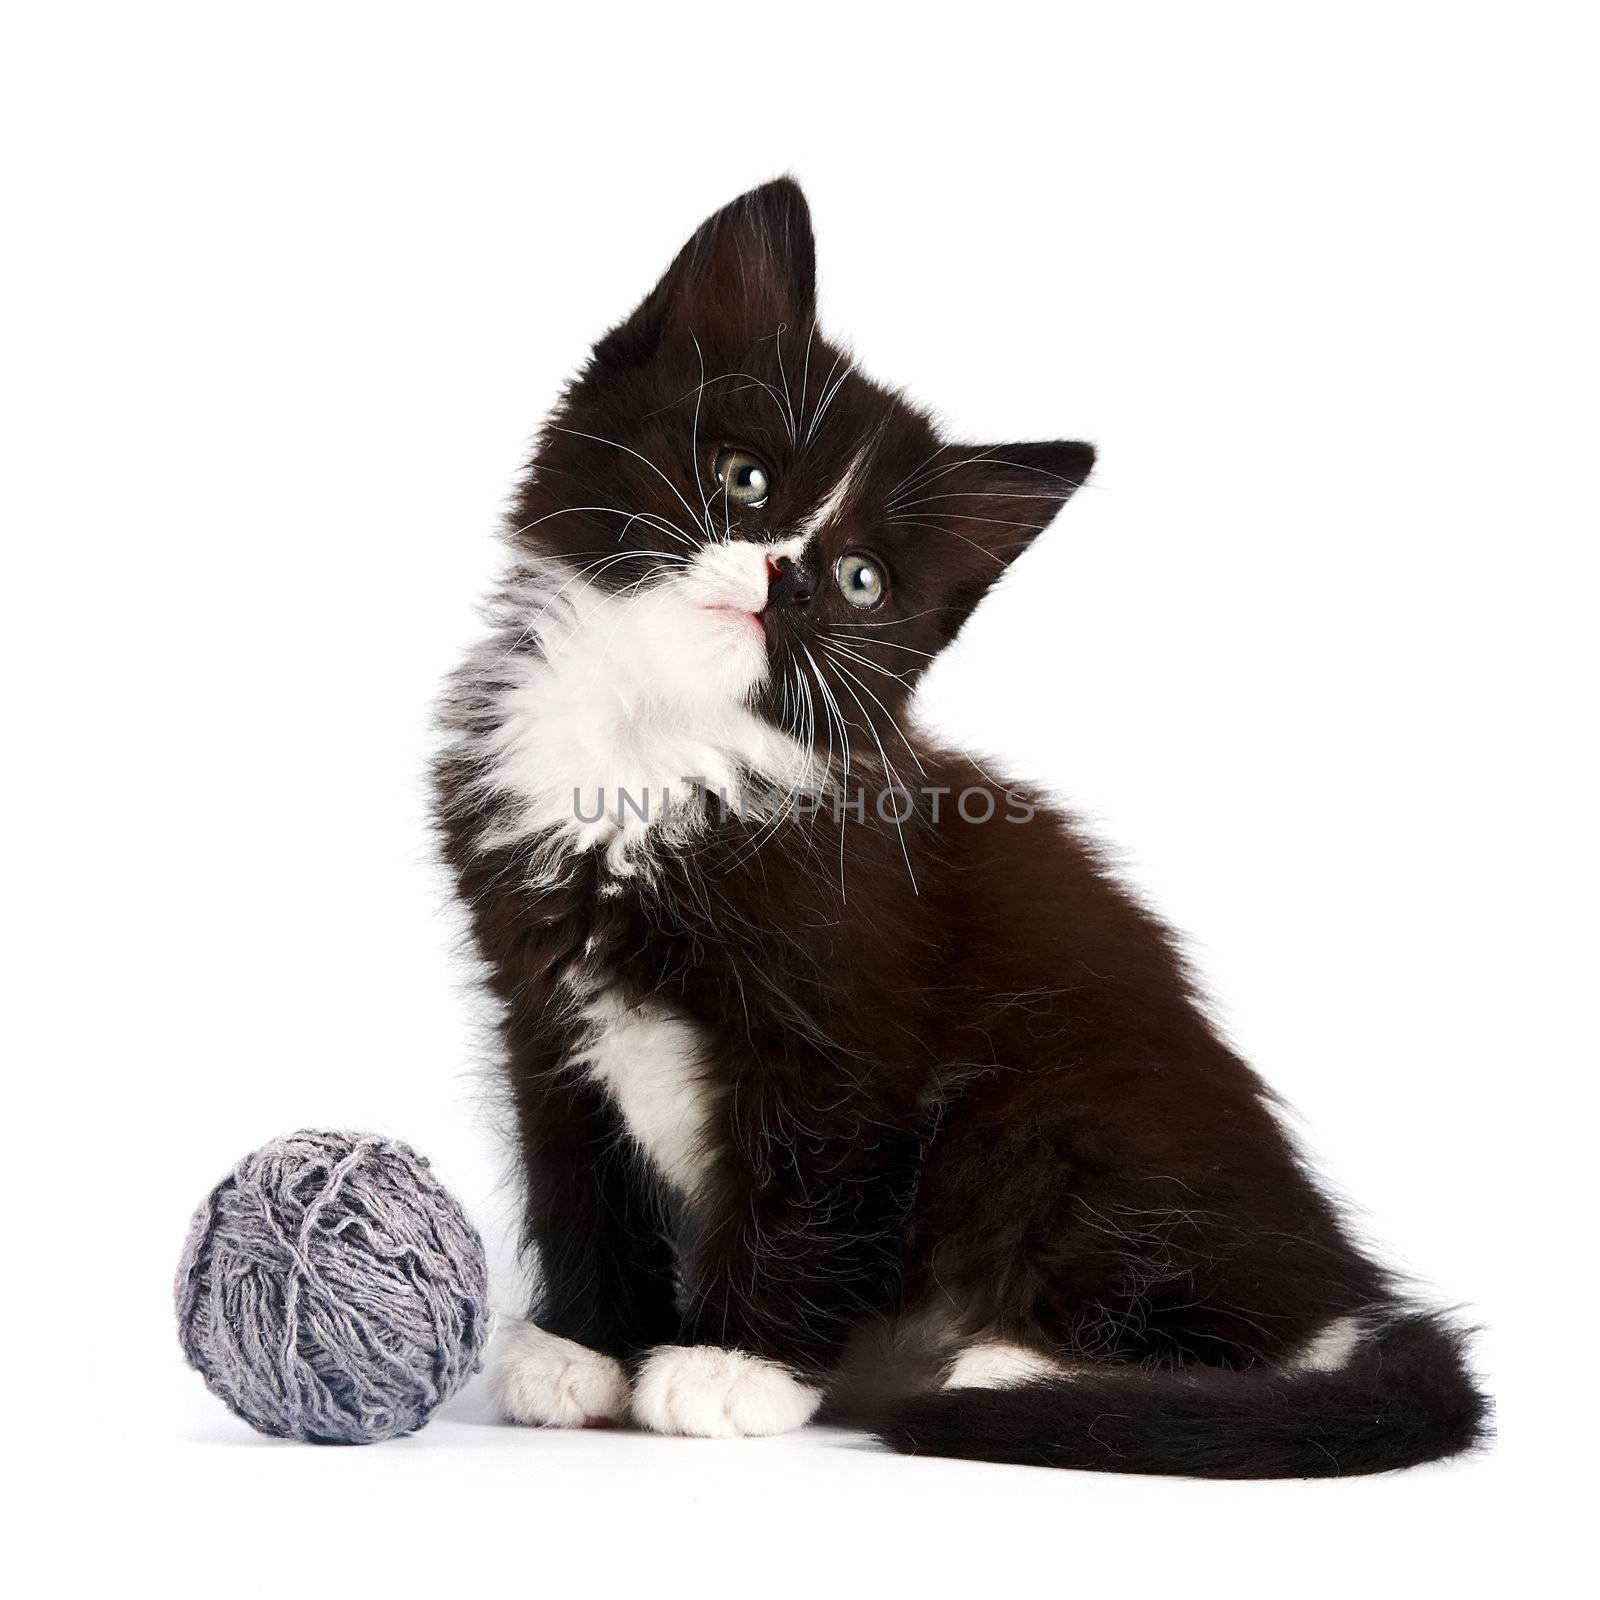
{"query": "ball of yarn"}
{"type": "Point", "coordinates": [332, 1290]}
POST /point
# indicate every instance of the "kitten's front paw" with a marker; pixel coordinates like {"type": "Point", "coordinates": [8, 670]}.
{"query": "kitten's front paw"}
{"type": "Point", "coordinates": [550, 1382]}
{"type": "Point", "coordinates": [712, 1393]}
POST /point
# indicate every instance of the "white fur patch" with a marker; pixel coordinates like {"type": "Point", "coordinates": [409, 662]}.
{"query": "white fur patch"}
{"type": "Point", "coordinates": [647, 1059]}
{"type": "Point", "coordinates": [550, 1382]}
{"type": "Point", "coordinates": [997, 1365]}
{"type": "Point", "coordinates": [1331, 1349]}
{"type": "Point", "coordinates": [833, 502]}
{"type": "Point", "coordinates": [629, 695]}
{"type": "Point", "coordinates": [709, 1393]}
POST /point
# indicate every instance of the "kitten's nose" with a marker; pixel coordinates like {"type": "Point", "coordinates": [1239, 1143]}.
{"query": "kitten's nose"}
{"type": "Point", "coordinates": [788, 583]}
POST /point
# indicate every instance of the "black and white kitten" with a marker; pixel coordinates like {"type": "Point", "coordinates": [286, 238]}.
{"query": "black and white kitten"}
{"type": "Point", "coordinates": [848, 1081]}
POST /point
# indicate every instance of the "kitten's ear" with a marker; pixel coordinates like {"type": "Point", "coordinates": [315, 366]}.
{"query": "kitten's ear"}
{"type": "Point", "coordinates": [996, 501]}
{"type": "Point", "coordinates": [1006, 494]}
{"type": "Point", "coordinates": [749, 270]}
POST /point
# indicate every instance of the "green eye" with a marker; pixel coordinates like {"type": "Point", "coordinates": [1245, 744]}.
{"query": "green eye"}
{"type": "Point", "coordinates": [860, 579]}
{"type": "Point", "coordinates": [744, 480]}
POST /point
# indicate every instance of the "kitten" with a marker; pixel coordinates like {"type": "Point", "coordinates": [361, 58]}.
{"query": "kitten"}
{"type": "Point", "coordinates": [848, 1081]}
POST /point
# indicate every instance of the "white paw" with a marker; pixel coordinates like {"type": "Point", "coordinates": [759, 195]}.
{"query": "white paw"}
{"type": "Point", "coordinates": [711, 1393]}
{"type": "Point", "coordinates": [551, 1382]}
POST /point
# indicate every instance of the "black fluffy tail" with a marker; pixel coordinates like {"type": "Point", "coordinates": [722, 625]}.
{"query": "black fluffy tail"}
{"type": "Point", "coordinates": [1403, 1397]}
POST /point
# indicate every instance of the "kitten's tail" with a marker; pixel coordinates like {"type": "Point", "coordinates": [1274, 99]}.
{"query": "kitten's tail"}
{"type": "Point", "coordinates": [1402, 1396]}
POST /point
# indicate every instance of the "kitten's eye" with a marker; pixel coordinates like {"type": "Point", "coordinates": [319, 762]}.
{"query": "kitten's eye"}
{"type": "Point", "coordinates": [860, 579]}
{"type": "Point", "coordinates": [745, 481]}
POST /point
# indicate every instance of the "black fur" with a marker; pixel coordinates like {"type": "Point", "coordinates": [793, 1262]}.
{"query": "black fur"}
{"type": "Point", "coordinates": [1403, 1399]}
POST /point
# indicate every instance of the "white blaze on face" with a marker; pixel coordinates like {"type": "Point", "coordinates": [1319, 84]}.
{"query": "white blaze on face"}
{"type": "Point", "coordinates": [832, 503]}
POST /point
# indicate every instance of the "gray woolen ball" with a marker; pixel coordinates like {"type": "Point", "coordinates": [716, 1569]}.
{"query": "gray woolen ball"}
{"type": "Point", "coordinates": [332, 1289]}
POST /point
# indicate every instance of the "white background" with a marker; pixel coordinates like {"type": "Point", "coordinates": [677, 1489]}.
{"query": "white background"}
{"type": "Point", "coordinates": [288, 289]}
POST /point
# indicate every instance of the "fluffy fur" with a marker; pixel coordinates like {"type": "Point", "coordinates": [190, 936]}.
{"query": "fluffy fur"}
{"type": "Point", "coordinates": [550, 1382]}
{"type": "Point", "coordinates": [713, 1393]}
{"type": "Point", "coordinates": [845, 1074]}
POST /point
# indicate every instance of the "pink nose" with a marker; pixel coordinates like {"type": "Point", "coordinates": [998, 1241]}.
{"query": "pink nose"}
{"type": "Point", "coordinates": [774, 571]}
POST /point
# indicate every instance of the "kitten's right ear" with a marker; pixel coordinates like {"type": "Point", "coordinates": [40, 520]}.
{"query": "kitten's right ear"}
{"type": "Point", "coordinates": [748, 271]}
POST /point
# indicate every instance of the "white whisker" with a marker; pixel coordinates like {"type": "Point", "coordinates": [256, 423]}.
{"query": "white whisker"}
{"type": "Point", "coordinates": [617, 445]}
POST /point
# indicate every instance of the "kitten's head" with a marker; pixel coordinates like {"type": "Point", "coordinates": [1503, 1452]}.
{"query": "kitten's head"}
{"type": "Point", "coordinates": [755, 518]}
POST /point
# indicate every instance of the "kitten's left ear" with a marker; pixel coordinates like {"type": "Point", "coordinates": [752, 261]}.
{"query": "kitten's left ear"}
{"type": "Point", "coordinates": [749, 270]}
{"type": "Point", "coordinates": [996, 501]}
{"type": "Point", "coordinates": [1006, 493]}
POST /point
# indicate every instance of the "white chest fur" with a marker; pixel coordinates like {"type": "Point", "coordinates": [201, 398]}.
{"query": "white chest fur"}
{"type": "Point", "coordinates": [648, 1060]}
{"type": "Point", "coordinates": [597, 734]}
